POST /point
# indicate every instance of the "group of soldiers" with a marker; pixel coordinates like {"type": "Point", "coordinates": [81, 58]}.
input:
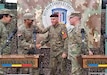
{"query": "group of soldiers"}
{"type": "Point", "coordinates": [57, 37]}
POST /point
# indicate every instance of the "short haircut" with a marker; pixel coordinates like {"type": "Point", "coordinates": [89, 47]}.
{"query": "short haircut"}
{"type": "Point", "coordinates": [75, 14]}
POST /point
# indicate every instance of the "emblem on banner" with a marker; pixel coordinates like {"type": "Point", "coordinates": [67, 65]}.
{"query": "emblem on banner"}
{"type": "Point", "coordinates": [62, 8]}
{"type": "Point", "coordinates": [62, 13]}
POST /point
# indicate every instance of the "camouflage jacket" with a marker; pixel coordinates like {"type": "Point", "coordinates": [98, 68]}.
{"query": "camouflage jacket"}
{"type": "Point", "coordinates": [26, 40]}
{"type": "Point", "coordinates": [77, 45]}
{"type": "Point", "coordinates": [4, 32]}
{"type": "Point", "coordinates": [57, 38]}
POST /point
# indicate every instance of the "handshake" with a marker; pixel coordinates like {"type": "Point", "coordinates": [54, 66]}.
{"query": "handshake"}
{"type": "Point", "coordinates": [64, 54]}
{"type": "Point", "coordinates": [32, 51]}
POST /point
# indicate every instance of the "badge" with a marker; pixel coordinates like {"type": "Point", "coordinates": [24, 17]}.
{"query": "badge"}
{"type": "Point", "coordinates": [64, 35]}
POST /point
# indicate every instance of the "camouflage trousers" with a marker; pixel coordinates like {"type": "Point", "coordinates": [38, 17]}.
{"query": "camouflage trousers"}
{"type": "Point", "coordinates": [75, 66]}
{"type": "Point", "coordinates": [78, 72]}
{"type": "Point", "coordinates": [57, 63]}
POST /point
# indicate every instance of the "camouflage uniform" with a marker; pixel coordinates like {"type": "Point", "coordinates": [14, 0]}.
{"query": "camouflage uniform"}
{"type": "Point", "coordinates": [76, 47]}
{"type": "Point", "coordinates": [3, 37]}
{"type": "Point", "coordinates": [4, 33]}
{"type": "Point", "coordinates": [26, 39]}
{"type": "Point", "coordinates": [57, 38]}
{"type": "Point", "coordinates": [26, 42]}
{"type": "Point", "coordinates": [74, 50]}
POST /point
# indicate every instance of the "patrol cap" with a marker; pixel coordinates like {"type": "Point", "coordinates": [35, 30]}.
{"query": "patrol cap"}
{"type": "Point", "coordinates": [75, 14]}
{"type": "Point", "coordinates": [54, 15]}
{"type": "Point", "coordinates": [6, 11]}
{"type": "Point", "coordinates": [28, 16]}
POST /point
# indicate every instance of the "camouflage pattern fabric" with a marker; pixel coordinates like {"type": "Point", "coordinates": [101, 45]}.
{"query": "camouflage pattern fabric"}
{"type": "Point", "coordinates": [57, 38]}
{"type": "Point", "coordinates": [26, 43]}
{"type": "Point", "coordinates": [4, 32]}
{"type": "Point", "coordinates": [26, 40]}
{"type": "Point", "coordinates": [75, 49]}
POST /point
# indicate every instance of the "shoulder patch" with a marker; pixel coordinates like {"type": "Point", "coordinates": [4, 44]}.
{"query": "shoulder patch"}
{"type": "Point", "coordinates": [64, 35]}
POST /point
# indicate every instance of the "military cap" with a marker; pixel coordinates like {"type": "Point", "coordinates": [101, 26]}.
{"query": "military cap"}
{"type": "Point", "coordinates": [28, 16]}
{"type": "Point", "coordinates": [54, 15]}
{"type": "Point", "coordinates": [75, 14]}
{"type": "Point", "coordinates": [6, 11]}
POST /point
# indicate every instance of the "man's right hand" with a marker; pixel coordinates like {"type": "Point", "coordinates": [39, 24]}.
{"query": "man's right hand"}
{"type": "Point", "coordinates": [90, 52]}
{"type": "Point", "coordinates": [38, 46]}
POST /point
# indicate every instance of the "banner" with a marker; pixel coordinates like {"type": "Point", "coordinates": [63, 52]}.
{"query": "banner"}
{"type": "Point", "coordinates": [89, 9]}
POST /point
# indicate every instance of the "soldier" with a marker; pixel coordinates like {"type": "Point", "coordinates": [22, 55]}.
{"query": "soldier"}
{"type": "Point", "coordinates": [57, 38]}
{"type": "Point", "coordinates": [5, 19]}
{"type": "Point", "coordinates": [26, 39]}
{"type": "Point", "coordinates": [76, 44]}
{"type": "Point", "coordinates": [25, 33]}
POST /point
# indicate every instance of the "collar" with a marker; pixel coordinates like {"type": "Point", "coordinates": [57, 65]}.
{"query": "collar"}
{"type": "Point", "coordinates": [55, 26]}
